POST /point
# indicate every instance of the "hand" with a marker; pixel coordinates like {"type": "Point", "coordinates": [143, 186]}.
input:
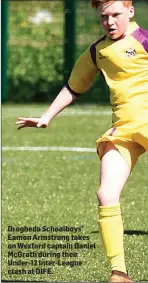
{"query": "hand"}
{"type": "Point", "coordinates": [31, 122]}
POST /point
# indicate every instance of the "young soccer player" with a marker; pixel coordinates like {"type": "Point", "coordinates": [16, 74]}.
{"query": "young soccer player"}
{"type": "Point", "coordinates": [121, 56]}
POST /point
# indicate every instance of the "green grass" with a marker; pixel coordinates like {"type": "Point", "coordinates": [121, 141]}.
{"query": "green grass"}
{"type": "Point", "coordinates": [59, 188]}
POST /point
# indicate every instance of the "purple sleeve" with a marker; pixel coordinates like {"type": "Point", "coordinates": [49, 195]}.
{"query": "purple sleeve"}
{"type": "Point", "coordinates": [141, 35]}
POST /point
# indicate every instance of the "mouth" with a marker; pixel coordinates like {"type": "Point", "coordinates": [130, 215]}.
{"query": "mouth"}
{"type": "Point", "coordinates": [112, 31]}
{"type": "Point", "coordinates": [111, 28]}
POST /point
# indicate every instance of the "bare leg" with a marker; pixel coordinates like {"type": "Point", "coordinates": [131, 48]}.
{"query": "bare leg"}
{"type": "Point", "coordinates": [113, 176]}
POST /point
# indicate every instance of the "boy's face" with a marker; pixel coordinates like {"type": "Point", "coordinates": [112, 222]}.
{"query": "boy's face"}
{"type": "Point", "coordinates": [115, 18]}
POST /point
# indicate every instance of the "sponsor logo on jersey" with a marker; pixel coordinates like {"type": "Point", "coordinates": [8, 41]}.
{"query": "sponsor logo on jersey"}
{"type": "Point", "coordinates": [130, 52]}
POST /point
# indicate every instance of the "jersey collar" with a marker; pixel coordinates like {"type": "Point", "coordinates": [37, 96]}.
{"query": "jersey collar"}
{"type": "Point", "coordinates": [132, 27]}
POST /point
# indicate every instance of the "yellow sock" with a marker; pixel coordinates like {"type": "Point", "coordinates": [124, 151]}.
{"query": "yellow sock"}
{"type": "Point", "coordinates": [111, 231]}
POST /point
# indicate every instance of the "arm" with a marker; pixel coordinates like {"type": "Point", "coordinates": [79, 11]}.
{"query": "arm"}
{"type": "Point", "coordinates": [80, 81]}
{"type": "Point", "coordinates": [64, 98]}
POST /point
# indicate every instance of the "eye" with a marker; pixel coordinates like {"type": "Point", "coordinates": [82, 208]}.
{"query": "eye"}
{"type": "Point", "coordinates": [116, 15]}
{"type": "Point", "coordinates": [104, 17]}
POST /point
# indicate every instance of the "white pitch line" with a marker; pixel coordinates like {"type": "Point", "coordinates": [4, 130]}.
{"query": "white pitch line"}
{"type": "Point", "coordinates": [48, 148]}
{"type": "Point", "coordinates": [65, 113]}
{"type": "Point", "coordinates": [85, 113]}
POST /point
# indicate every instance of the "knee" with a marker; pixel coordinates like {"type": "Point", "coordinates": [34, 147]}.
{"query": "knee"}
{"type": "Point", "coordinates": [107, 198]}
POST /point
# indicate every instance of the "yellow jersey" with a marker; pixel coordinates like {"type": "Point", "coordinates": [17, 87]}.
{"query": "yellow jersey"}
{"type": "Point", "coordinates": [124, 65]}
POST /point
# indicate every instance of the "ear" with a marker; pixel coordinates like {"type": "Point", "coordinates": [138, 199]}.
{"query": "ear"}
{"type": "Point", "coordinates": [131, 12]}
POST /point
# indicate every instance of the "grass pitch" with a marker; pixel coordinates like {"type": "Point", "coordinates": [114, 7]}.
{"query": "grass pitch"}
{"type": "Point", "coordinates": [45, 188]}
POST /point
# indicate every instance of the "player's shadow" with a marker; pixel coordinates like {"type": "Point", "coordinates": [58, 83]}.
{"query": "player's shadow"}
{"type": "Point", "coordinates": [129, 232]}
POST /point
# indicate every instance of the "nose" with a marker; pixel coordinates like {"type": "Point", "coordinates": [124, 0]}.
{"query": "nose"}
{"type": "Point", "coordinates": [110, 20]}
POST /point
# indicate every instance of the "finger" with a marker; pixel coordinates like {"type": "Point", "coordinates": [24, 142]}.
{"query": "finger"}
{"type": "Point", "coordinates": [41, 125]}
{"type": "Point", "coordinates": [23, 118]}
{"type": "Point", "coordinates": [34, 120]}
{"type": "Point", "coordinates": [21, 127]}
{"type": "Point", "coordinates": [19, 122]}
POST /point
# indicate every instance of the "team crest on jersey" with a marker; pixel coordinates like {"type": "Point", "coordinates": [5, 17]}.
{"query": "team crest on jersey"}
{"type": "Point", "coordinates": [130, 52]}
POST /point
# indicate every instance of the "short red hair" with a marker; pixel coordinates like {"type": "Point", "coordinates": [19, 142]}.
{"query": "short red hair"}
{"type": "Point", "coordinates": [96, 3]}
